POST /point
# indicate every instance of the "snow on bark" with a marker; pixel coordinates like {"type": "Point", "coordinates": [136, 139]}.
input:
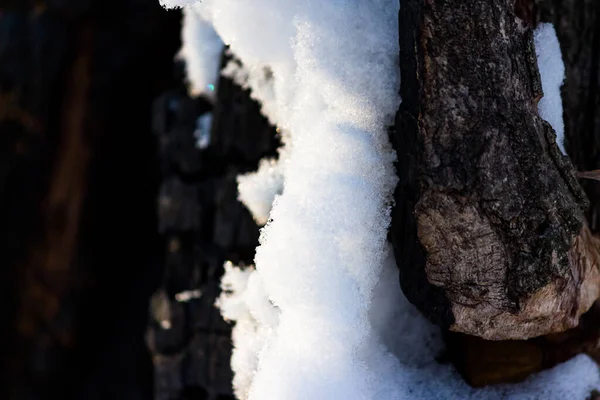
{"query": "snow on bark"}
{"type": "Point", "coordinates": [552, 73]}
{"type": "Point", "coordinates": [323, 317]}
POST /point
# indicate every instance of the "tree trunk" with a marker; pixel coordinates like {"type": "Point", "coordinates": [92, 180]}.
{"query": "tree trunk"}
{"type": "Point", "coordinates": [488, 227]}
{"type": "Point", "coordinates": [480, 361]}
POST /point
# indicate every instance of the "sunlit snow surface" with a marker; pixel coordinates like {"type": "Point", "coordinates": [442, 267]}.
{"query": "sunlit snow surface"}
{"type": "Point", "coordinates": [257, 190]}
{"type": "Point", "coordinates": [323, 316]}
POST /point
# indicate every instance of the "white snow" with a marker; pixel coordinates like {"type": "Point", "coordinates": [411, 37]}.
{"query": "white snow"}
{"type": "Point", "coordinates": [409, 370]}
{"type": "Point", "coordinates": [552, 72]}
{"type": "Point", "coordinates": [244, 301]}
{"type": "Point", "coordinates": [175, 3]}
{"type": "Point", "coordinates": [260, 80]}
{"type": "Point", "coordinates": [257, 190]}
{"type": "Point", "coordinates": [201, 49]}
{"type": "Point", "coordinates": [322, 317]}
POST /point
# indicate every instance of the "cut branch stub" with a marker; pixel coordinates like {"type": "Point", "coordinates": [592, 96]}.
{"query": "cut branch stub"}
{"type": "Point", "coordinates": [488, 225]}
{"type": "Point", "coordinates": [595, 175]}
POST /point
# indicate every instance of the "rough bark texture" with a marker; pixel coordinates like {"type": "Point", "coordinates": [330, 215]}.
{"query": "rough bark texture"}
{"type": "Point", "coordinates": [487, 207]}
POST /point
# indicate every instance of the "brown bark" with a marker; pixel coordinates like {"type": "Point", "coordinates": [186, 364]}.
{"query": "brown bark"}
{"type": "Point", "coordinates": [488, 226]}
{"type": "Point", "coordinates": [49, 267]}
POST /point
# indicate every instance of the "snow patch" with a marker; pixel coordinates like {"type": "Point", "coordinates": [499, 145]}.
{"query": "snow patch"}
{"type": "Point", "coordinates": [257, 190]}
{"type": "Point", "coordinates": [202, 131]}
{"type": "Point", "coordinates": [170, 4]}
{"type": "Point", "coordinates": [401, 353]}
{"type": "Point", "coordinates": [260, 80]}
{"type": "Point", "coordinates": [244, 301]}
{"type": "Point", "coordinates": [552, 73]}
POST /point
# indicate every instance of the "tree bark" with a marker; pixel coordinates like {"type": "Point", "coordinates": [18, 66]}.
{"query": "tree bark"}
{"type": "Point", "coordinates": [78, 180]}
{"type": "Point", "coordinates": [488, 227]}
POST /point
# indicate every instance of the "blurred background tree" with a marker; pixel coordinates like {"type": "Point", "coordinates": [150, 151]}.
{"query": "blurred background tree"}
{"type": "Point", "coordinates": [79, 248]}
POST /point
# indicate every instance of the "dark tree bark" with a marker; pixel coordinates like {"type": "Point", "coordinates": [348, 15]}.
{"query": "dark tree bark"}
{"type": "Point", "coordinates": [577, 24]}
{"type": "Point", "coordinates": [78, 180]}
{"type": "Point", "coordinates": [481, 361]}
{"type": "Point", "coordinates": [488, 227]}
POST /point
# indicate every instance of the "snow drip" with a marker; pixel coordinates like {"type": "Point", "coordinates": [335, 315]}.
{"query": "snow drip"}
{"type": "Point", "coordinates": [322, 316]}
